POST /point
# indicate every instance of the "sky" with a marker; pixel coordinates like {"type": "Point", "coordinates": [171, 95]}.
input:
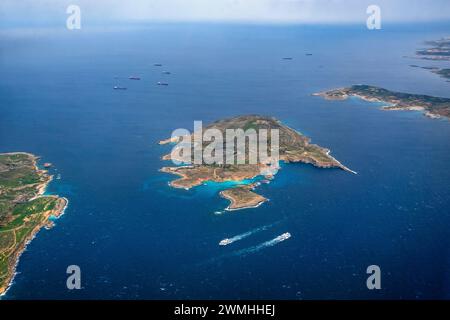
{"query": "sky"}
{"type": "Point", "coordinates": [41, 12]}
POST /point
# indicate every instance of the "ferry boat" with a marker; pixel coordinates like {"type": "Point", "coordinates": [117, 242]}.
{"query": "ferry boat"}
{"type": "Point", "coordinates": [225, 242]}
{"type": "Point", "coordinates": [284, 236]}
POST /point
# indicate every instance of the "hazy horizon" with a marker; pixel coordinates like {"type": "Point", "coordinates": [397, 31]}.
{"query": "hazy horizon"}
{"type": "Point", "coordinates": [51, 12]}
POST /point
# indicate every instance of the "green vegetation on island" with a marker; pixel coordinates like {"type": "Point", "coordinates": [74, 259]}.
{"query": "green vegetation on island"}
{"type": "Point", "coordinates": [23, 208]}
{"type": "Point", "coordinates": [293, 147]}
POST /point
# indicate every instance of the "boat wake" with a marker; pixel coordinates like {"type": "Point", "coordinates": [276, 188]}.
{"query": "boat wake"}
{"type": "Point", "coordinates": [266, 244]}
{"type": "Point", "coordinates": [249, 250]}
{"type": "Point", "coordinates": [244, 235]}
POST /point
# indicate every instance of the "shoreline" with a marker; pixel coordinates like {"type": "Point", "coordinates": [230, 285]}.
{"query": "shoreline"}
{"type": "Point", "coordinates": [430, 106]}
{"type": "Point", "coordinates": [328, 153]}
{"type": "Point", "coordinates": [23, 247]}
{"type": "Point", "coordinates": [234, 200]}
{"type": "Point", "coordinates": [241, 208]}
{"type": "Point", "coordinates": [59, 210]}
{"type": "Point", "coordinates": [340, 164]}
{"type": "Point", "coordinates": [296, 148]}
{"type": "Point", "coordinates": [174, 171]}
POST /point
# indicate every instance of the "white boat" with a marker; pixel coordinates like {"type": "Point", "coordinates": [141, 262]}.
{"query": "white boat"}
{"type": "Point", "coordinates": [225, 242]}
{"type": "Point", "coordinates": [282, 237]}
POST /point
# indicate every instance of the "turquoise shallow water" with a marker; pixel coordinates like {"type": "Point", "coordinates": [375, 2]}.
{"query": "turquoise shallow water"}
{"type": "Point", "coordinates": [135, 237]}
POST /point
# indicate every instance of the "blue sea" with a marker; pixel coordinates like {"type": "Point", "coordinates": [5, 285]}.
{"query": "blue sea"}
{"type": "Point", "coordinates": [134, 237]}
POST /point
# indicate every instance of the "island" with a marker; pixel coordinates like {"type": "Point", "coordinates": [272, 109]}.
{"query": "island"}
{"type": "Point", "coordinates": [242, 197]}
{"type": "Point", "coordinates": [293, 147]}
{"type": "Point", "coordinates": [438, 50]}
{"type": "Point", "coordinates": [24, 210]}
{"type": "Point", "coordinates": [433, 107]}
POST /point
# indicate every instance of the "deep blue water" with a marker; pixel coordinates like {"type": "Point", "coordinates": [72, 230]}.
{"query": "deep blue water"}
{"type": "Point", "coordinates": [134, 237]}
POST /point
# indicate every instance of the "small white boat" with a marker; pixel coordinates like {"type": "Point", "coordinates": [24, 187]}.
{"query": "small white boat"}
{"type": "Point", "coordinates": [225, 242]}
{"type": "Point", "coordinates": [283, 237]}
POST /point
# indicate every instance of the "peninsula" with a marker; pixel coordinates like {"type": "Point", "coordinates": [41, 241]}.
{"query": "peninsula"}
{"type": "Point", "coordinates": [434, 107]}
{"type": "Point", "coordinates": [293, 147]}
{"type": "Point", "coordinates": [24, 210]}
